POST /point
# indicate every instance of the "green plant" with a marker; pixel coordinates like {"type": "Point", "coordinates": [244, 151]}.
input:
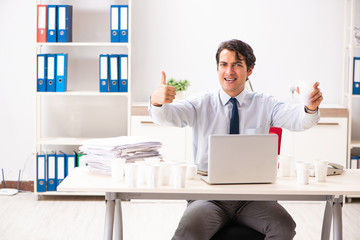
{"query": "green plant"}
{"type": "Point", "coordinates": [180, 85]}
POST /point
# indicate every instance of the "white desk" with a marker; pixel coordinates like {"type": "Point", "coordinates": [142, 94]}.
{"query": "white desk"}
{"type": "Point", "coordinates": [331, 191]}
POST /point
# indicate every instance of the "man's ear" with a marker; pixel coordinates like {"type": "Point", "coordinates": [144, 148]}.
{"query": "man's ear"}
{"type": "Point", "coordinates": [250, 71]}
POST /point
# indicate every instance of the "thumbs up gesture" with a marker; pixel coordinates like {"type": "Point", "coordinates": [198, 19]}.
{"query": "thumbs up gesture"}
{"type": "Point", "coordinates": [164, 93]}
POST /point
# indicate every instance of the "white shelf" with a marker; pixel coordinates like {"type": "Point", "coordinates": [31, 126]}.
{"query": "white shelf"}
{"type": "Point", "coordinates": [351, 51]}
{"type": "Point", "coordinates": [352, 95]}
{"type": "Point", "coordinates": [83, 109]}
{"type": "Point", "coordinates": [61, 141]}
{"type": "Point", "coordinates": [83, 44]}
{"type": "Point", "coordinates": [82, 93]}
{"type": "Point", "coordinates": [355, 143]}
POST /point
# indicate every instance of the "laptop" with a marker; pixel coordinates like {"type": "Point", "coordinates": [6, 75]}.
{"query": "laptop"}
{"type": "Point", "coordinates": [235, 159]}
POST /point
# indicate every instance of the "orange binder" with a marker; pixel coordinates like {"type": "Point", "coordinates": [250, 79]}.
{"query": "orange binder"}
{"type": "Point", "coordinates": [41, 23]}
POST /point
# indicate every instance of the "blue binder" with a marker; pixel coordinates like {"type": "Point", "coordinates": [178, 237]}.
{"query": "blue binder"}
{"type": "Point", "coordinates": [104, 72]}
{"type": "Point", "coordinates": [354, 162]}
{"type": "Point", "coordinates": [61, 72]}
{"type": "Point", "coordinates": [51, 171]}
{"type": "Point", "coordinates": [41, 72]}
{"type": "Point", "coordinates": [114, 23]}
{"type": "Point", "coordinates": [60, 168]}
{"type": "Point", "coordinates": [356, 76]}
{"type": "Point", "coordinates": [124, 23]}
{"type": "Point", "coordinates": [41, 172]}
{"type": "Point", "coordinates": [51, 70]}
{"type": "Point", "coordinates": [52, 23]}
{"type": "Point", "coordinates": [114, 73]}
{"type": "Point", "coordinates": [64, 23]}
{"type": "Point", "coordinates": [123, 61]}
{"type": "Point", "coordinates": [70, 163]}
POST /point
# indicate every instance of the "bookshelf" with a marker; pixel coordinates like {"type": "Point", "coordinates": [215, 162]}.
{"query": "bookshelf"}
{"type": "Point", "coordinates": [65, 119]}
{"type": "Point", "coordinates": [350, 100]}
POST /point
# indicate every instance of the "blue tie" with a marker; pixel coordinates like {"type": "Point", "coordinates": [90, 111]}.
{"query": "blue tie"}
{"type": "Point", "coordinates": [234, 120]}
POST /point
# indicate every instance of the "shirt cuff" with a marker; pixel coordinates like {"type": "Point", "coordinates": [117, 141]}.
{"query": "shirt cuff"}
{"type": "Point", "coordinates": [307, 110]}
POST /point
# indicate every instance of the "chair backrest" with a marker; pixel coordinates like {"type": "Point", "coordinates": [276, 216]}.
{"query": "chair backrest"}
{"type": "Point", "coordinates": [278, 131]}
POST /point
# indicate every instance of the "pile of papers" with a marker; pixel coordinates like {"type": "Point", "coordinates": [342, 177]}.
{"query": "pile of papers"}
{"type": "Point", "coordinates": [100, 152]}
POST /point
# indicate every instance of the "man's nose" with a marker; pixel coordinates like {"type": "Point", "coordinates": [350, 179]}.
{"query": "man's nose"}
{"type": "Point", "coordinates": [229, 70]}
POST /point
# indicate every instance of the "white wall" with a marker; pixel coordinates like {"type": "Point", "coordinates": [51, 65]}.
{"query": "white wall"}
{"type": "Point", "coordinates": [292, 40]}
{"type": "Point", "coordinates": [17, 86]}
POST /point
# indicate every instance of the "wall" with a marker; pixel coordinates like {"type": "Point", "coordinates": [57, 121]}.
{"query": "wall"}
{"type": "Point", "coordinates": [293, 41]}
{"type": "Point", "coordinates": [17, 88]}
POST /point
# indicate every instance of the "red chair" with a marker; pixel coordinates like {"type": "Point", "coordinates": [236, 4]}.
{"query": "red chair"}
{"type": "Point", "coordinates": [236, 232]}
{"type": "Point", "coordinates": [278, 131]}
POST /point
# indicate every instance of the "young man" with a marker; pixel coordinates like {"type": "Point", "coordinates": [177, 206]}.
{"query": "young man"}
{"type": "Point", "coordinates": [213, 113]}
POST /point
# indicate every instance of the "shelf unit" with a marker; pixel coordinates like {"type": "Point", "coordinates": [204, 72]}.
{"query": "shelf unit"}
{"type": "Point", "coordinates": [65, 119]}
{"type": "Point", "coordinates": [351, 101]}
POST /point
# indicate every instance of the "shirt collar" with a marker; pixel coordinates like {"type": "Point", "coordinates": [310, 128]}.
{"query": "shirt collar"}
{"type": "Point", "coordinates": [225, 97]}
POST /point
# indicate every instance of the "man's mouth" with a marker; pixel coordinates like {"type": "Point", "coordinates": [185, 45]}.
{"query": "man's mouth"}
{"type": "Point", "coordinates": [230, 79]}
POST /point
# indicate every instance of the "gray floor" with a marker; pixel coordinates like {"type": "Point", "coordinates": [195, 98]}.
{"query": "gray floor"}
{"type": "Point", "coordinates": [24, 217]}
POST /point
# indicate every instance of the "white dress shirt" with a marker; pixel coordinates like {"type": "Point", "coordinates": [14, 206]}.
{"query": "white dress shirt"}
{"type": "Point", "coordinates": [210, 114]}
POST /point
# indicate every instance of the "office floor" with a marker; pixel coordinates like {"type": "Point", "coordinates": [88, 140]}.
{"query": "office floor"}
{"type": "Point", "coordinates": [24, 217]}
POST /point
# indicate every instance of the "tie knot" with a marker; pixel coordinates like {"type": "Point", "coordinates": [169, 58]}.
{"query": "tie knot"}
{"type": "Point", "coordinates": [233, 100]}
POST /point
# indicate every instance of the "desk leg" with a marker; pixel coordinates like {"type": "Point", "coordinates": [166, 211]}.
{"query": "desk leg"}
{"type": "Point", "coordinates": [109, 217]}
{"type": "Point", "coordinates": [118, 221]}
{"type": "Point", "coordinates": [325, 232]}
{"type": "Point", "coordinates": [337, 216]}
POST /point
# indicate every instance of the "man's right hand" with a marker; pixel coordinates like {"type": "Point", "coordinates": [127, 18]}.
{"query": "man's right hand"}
{"type": "Point", "coordinates": [164, 93]}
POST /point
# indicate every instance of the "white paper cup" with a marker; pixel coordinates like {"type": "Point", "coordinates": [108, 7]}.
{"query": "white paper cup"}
{"type": "Point", "coordinates": [320, 167]}
{"type": "Point", "coordinates": [152, 175]}
{"type": "Point", "coordinates": [305, 89]}
{"type": "Point", "coordinates": [165, 173]}
{"type": "Point", "coordinates": [285, 165]}
{"type": "Point", "coordinates": [302, 172]}
{"type": "Point", "coordinates": [131, 174]}
{"type": "Point", "coordinates": [117, 169]}
{"type": "Point", "coordinates": [141, 179]}
{"type": "Point", "coordinates": [179, 173]}
{"type": "Point", "coordinates": [191, 171]}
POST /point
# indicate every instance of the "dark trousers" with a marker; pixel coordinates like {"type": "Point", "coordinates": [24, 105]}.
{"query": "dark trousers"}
{"type": "Point", "coordinates": [203, 218]}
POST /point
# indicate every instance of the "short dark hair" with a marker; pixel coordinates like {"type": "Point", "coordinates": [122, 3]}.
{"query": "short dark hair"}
{"type": "Point", "coordinates": [239, 47]}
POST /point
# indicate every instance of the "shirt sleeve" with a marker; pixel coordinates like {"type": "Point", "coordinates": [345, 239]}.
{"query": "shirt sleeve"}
{"type": "Point", "coordinates": [293, 118]}
{"type": "Point", "coordinates": [177, 114]}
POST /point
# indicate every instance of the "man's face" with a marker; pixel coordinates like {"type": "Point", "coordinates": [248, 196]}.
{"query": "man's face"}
{"type": "Point", "coordinates": [232, 72]}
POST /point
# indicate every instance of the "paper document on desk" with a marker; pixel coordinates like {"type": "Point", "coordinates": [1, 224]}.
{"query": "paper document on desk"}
{"type": "Point", "coordinates": [125, 146]}
{"type": "Point", "coordinates": [98, 164]}
{"type": "Point", "coordinates": [122, 142]}
{"type": "Point", "coordinates": [99, 152]}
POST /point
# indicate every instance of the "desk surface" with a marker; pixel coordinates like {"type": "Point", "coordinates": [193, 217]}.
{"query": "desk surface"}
{"type": "Point", "coordinates": [345, 184]}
